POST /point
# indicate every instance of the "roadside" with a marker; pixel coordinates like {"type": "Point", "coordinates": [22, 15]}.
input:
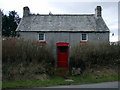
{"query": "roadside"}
{"type": "Point", "coordinates": [90, 76]}
{"type": "Point", "coordinates": [55, 81]}
{"type": "Point", "coordinates": [94, 85]}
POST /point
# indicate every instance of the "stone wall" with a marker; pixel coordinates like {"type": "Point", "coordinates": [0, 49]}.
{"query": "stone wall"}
{"type": "Point", "coordinates": [73, 39]}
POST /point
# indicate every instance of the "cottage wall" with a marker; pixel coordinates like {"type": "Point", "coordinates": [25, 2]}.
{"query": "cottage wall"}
{"type": "Point", "coordinates": [98, 37]}
{"type": "Point", "coordinates": [73, 38]}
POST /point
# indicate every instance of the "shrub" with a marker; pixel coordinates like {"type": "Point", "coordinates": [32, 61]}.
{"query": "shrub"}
{"type": "Point", "coordinates": [23, 59]}
{"type": "Point", "coordinates": [94, 54]}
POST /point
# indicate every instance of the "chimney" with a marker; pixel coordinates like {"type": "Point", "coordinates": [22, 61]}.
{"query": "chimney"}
{"type": "Point", "coordinates": [26, 11]}
{"type": "Point", "coordinates": [98, 12]}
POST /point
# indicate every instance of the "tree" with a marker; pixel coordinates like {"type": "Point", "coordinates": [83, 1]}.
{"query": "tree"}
{"type": "Point", "coordinates": [9, 24]}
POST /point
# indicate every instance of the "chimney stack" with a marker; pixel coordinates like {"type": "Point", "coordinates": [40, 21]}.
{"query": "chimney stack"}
{"type": "Point", "coordinates": [98, 11]}
{"type": "Point", "coordinates": [26, 11]}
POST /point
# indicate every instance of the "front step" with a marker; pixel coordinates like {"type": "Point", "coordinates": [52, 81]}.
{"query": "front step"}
{"type": "Point", "coordinates": [63, 72]}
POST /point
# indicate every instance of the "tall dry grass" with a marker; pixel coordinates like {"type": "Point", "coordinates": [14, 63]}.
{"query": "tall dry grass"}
{"type": "Point", "coordinates": [94, 54]}
{"type": "Point", "coordinates": [25, 60]}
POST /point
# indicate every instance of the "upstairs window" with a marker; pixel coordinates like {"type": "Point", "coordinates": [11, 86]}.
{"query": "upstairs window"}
{"type": "Point", "coordinates": [84, 37]}
{"type": "Point", "coordinates": [41, 37]}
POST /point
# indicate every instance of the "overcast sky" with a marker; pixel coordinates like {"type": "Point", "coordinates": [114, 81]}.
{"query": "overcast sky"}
{"type": "Point", "coordinates": [109, 9]}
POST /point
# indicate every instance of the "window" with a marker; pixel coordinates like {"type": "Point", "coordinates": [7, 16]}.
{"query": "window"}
{"type": "Point", "coordinates": [84, 37]}
{"type": "Point", "coordinates": [63, 49]}
{"type": "Point", "coordinates": [41, 36]}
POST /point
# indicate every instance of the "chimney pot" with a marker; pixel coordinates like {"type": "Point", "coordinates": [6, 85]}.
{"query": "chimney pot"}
{"type": "Point", "coordinates": [26, 11]}
{"type": "Point", "coordinates": [98, 11]}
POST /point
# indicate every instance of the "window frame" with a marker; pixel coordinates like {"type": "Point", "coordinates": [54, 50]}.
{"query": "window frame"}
{"type": "Point", "coordinates": [43, 36]}
{"type": "Point", "coordinates": [86, 37]}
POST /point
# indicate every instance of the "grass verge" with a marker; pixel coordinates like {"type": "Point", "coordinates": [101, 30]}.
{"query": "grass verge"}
{"type": "Point", "coordinates": [58, 81]}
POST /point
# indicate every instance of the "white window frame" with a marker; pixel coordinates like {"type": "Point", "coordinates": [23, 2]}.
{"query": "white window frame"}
{"type": "Point", "coordinates": [43, 36]}
{"type": "Point", "coordinates": [86, 37]}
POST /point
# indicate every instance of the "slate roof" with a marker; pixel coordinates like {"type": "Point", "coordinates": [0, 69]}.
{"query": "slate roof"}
{"type": "Point", "coordinates": [62, 22]}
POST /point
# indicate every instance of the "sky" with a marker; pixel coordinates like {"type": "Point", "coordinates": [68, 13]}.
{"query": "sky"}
{"type": "Point", "coordinates": [109, 9]}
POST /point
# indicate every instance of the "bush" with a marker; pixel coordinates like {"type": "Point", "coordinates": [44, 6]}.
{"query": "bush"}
{"type": "Point", "coordinates": [94, 54]}
{"type": "Point", "coordinates": [24, 59]}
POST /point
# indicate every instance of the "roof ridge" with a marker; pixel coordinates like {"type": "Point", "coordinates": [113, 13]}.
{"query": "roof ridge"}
{"type": "Point", "coordinates": [62, 14]}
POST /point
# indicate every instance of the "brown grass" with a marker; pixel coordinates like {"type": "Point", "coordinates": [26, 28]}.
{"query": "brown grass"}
{"type": "Point", "coordinates": [24, 60]}
{"type": "Point", "coordinates": [94, 54]}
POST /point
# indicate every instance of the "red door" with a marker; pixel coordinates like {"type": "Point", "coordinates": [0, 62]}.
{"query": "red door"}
{"type": "Point", "coordinates": [62, 56]}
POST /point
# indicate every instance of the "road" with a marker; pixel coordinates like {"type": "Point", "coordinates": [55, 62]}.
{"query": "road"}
{"type": "Point", "coordinates": [111, 85]}
{"type": "Point", "coordinates": [94, 85]}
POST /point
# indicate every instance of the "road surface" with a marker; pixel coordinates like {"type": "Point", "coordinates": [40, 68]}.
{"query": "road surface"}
{"type": "Point", "coordinates": [94, 85]}
{"type": "Point", "coordinates": [111, 85]}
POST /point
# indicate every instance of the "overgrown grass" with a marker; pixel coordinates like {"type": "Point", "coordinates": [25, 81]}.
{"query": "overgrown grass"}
{"type": "Point", "coordinates": [26, 60]}
{"type": "Point", "coordinates": [95, 75]}
{"type": "Point", "coordinates": [90, 55]}
{"type": "Point", "coordinates": [59, 81]}
{"type": "Point", "coordinates": [25, 64]}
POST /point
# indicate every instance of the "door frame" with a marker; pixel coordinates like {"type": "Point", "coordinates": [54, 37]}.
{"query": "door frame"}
{"type": "Point", "coordinates": [62, 45]}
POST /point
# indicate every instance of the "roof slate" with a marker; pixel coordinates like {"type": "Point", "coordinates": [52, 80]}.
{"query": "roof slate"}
{"type": "Point", "coordinates": [62, 22]}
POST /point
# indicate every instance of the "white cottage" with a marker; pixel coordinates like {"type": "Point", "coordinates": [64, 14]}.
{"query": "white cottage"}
{"type": "Point", "coordinates": [62, 31]}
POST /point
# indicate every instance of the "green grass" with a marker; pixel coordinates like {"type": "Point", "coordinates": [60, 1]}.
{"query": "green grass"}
{"type": "Point", "coordinates": [95, 80]}
{"type": "Point", "coordinates": [58, 81]}
{"type": "Point", "coordinates": [52, 82]}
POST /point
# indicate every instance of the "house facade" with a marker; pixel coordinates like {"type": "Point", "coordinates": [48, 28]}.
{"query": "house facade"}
{"type": "Point", "coordinates": [63, 31]}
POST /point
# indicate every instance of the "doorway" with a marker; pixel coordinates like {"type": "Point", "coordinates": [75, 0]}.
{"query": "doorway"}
{"type": "Point", "coordinates": [62, 55]}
